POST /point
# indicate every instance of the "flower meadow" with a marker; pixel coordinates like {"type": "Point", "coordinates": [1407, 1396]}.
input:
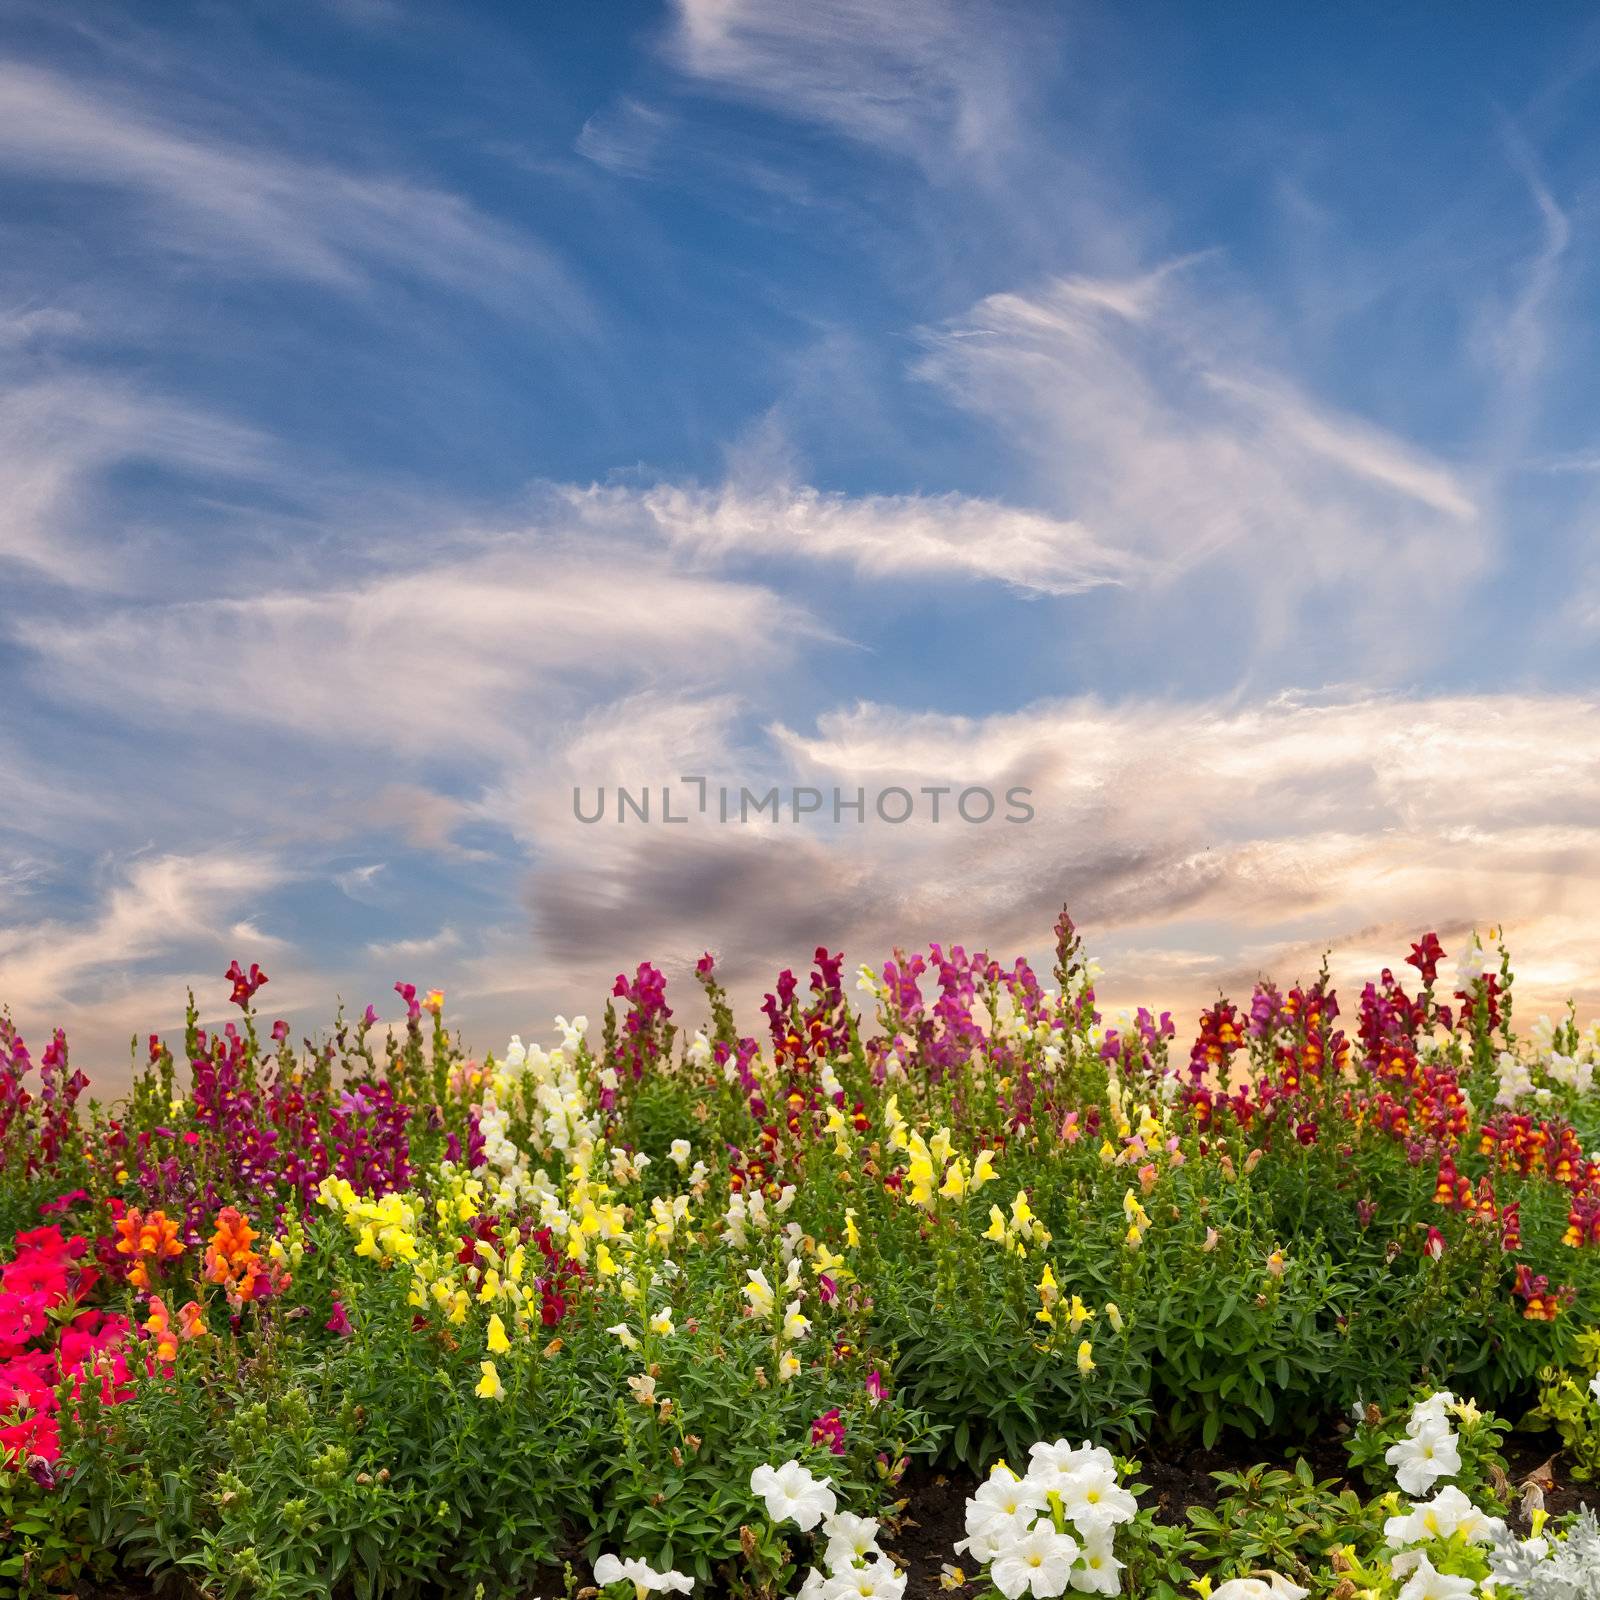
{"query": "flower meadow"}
{"type": "Point", "coordinates": [653, 1308]}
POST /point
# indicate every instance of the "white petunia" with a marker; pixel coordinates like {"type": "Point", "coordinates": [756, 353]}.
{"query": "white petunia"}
{"type": "Point", "coordinates": [851, 1539]}
{"type": "Point", "coordinates": [1449, 1513]}
{"type": "Point", "coordinates": [1427, 1583]}
{"type": "Point", "coordinates": [1098, 1571]}
{"type": "Point", "coordinates": [1093, 1499]}
{"type": "Point", "coordinates": [1039, 1563]}
{"type": "Point", "coordinates": [644, 1578]}
{"type": "Point", "coordinates": [1051, 1465]}
{"type": "Point", "coordinates": [1273, 1587]}
{"type": "Point", "coordinates": [1004, 1494]}
{"type": "Point", "coordinates": [1435, 1409]}
{"type": "Point", "coordinates": [793, 1495]}
{"type": "Point", "coordinates": [1426, 1456]}
{"type": "Point", "coordinates": [990, 1537]}
{"type": "Point", "coordinates": [882, 1580]}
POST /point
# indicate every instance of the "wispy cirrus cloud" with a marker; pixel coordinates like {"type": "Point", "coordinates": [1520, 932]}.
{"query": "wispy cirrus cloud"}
{"type": "Point", "coordinates": [199, 190]}
{"type": "Point", "coordinates": [258, 441]}
{"type": "Point", "coordinates": [63, 433]}
{"type": "Point", "coordinates": [926, 537]}
{"type": "Point", "coordinates": [918, 79]}
{"type": "Point", "coordinates": [411, 952]}
{"type": "Point", "coordinates": [1138, 407]}
{"type": "Point", "coordinates": [155, 908]}
{"type": "Point", "coordinates": [483, 653]}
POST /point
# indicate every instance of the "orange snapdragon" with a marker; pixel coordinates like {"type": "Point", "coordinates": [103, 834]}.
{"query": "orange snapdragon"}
{"type": "Point", "coordinates": [191, 1325]}
{"type": "Point", "coordinates": [150, 1239]}
{"type": "Point", "coordinates": [232, 1261]}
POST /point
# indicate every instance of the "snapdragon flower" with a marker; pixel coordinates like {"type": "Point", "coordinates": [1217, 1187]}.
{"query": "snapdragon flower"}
{"type": "Point", "coordinates": [759, 1292]}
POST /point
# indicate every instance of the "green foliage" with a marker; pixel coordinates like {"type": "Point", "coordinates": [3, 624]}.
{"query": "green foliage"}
{"type": "Point", "coordinates": [1568, 1403]}
{"type": "Point", "coordinates": [47, 1544]}
{"type": "Point", "coordinates": [1285, 1521]}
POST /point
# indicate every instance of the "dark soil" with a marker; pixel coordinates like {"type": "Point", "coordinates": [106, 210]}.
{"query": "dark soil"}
{"type": "Point", "coordinates": [934, 1518]}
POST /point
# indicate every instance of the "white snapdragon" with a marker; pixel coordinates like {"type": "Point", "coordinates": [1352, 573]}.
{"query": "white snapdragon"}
{"type": "Point", "coordinates": [1575, 1072]}
{"type": "Point", "coordinates": [738, 1217]}
{"type": "Point", "coordinates": [1474, 964]}
{"type": "Point", "coordinates": [1516, 1080]}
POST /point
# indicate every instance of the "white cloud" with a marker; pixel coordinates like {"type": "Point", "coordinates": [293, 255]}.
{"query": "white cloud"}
{"type": "Point", "coordinates": [201, 193]}
{"type": "Point", "coordinates": [59, 437]}
{"type": "Point", "coordinates": [908, 536]}
{"type": "Point", "coordinates": [423, 949]}
{"type": "Point", "coordinates": [21, 328]}
{"type": "Point", "coordinates": [484, 653]}
{"type": "Point", "coordinates": [154, 908]}
{"type": "Point", "coordinates": [357, 882]}
{"type": "Point", "coordinates": [921, 78]}
{"type": "Point", "coordinates": [1140, 411]}
{"type": "Point", "coordinates": [625, 138]}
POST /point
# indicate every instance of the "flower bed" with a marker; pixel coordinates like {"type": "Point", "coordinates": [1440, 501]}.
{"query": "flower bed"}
{"type": "Point", "coordinates": [649, 1307]}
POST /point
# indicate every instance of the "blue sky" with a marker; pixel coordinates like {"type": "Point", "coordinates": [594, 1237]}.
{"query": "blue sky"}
{"type": "Point", "coordinates": [407, 413]}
